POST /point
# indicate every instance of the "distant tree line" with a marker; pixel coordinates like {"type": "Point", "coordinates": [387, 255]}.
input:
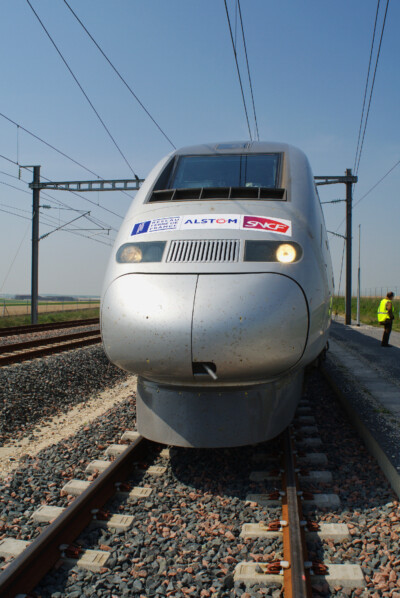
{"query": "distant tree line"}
{"type": "Point", "coordinates": [41, 298]}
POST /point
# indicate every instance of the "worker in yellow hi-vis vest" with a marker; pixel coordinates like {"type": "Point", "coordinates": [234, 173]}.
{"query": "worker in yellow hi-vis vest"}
{"type": "Point", "coordinates": [386, 317]}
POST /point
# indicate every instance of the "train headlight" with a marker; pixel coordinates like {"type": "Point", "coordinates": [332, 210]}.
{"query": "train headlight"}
{"type": "Point", "coordinates": [272, 251]}
{"type": "Point", "coordinates": [136, 253]}
{"type": "Point", "coordinates": [130, 254]}
{"type": "Point", "coordinates": [286, 253]}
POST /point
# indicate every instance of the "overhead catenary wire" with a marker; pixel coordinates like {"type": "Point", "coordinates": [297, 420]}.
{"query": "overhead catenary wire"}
{"type": "Point", "coordinates": [366, 86]}
{"type": "Point", "coordinates": [6, 205]}
{"type": "Point", "coordinates": [248, 69]}
{"type": "Point", "coordinates": [61, 206]}
{"type": "Point", "coordinates": [14, 187]}
{"type": "Point", "coordinates": [47, 219]}
{"type": "Point", "coordinates": [73, 232]}
{"type": "Point", "coordinates": [13, 214]}
{"type": "Point", "coordinates": [17, 144]}
{"type": "Point", "coordinates": [66, 156]}
{"type": "Point", "coordinates": [66, 230]}
{"type": "Point", "coordinates": [341, 265]}
{"type": "Point", "coordinates": [12, 176]}
{"type": "Point", "coordinates": [376, 184]}
{"type": "Point", "coordinates": [49, 197]}
{"type": "Point", "coordinates": [238, 70]}
{"type": "Point", "coordinates": [19, 126]}
{"type": "Point", "coordinates": [88, 200]}
{"type": "Point", "coordinates": [14, 258]}
{"type": "Point", "coordinates": [119, 75]}
{"type": "Point", "coordinates": [9, 159]}
{"type": "Point", "coordinates": [371, 189]}
{"type": "Point", "coordinates": [102, 226]}
{"type": "Point", "coordinates": [83, 91]}
{"type": "Point", "coordinates": [54, 200]}
{"type": "Point", "coordinates": [70, 190]}
{"type": "Point", "coordinates": [236, 19]}
{"type": "Point", "coordinates": [340, 276]}
{"type": "Point", "coordinates": [372, 89]}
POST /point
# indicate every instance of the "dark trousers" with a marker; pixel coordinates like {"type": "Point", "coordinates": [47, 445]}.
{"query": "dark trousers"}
{"type": "Point", "coordinates": [386, 333]}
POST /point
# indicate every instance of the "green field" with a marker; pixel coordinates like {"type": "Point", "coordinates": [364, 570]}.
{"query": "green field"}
{"type": "Point", "coordinates": [14, 302]}
{"type": "Point", "coordinates": [368, 309]}
{"type": "Point", "coordinates": [61, 316]}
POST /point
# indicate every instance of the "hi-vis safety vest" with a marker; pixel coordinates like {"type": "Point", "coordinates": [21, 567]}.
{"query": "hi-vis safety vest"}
{"type": "Point", "coordinates": [383, 313]}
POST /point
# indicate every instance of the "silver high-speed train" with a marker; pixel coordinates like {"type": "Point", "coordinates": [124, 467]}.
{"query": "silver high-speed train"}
{"type": "Point", "coordinates": [218, 293]}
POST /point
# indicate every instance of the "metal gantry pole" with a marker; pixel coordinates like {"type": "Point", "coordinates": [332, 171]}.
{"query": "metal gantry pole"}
{"type": "Point", "coordinates": [349, 194]}
{"type": "Point", "coordinates": [349, 181]}
{"type": "Point", "coordinates": [36, 186]}
{"type": "Point", "coordinates": [35, 245]}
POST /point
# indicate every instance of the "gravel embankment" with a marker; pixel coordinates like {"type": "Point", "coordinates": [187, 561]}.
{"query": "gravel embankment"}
{"type": "Point", "coordinates": [44, 334]}
{"type": "Point", "coordinates": [39, 479]}
{"type": "Point", "coordinates": [186, 535]}
{"type": "Point", "coordinates": [39, 389]}
{"type": "Point", "coordinates": [368, 505]}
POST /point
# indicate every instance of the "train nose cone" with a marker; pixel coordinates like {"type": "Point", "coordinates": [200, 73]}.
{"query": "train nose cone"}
{"type": "Point", "coordinates": [249, 327]}
{"type": "Point", "coordinates": [252, 326]}
{"type": "Point", "coordinates": [146, 323]}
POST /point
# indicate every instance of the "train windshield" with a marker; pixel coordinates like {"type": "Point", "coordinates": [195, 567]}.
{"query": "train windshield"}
{"type": "Point", "coordinates": [221, 176]}
{"type": "Point", "coordinates": [254, 170]}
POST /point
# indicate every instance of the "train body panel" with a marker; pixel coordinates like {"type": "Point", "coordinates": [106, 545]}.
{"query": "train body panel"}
{"type": "Point", "coordinates": [243, 331]}
{"type": "Point", "coordinates": [210, 417]}
{"type": "Point", "coordinates": [196, 299]}
{"type": "Point", "coordinates": [247, 312]}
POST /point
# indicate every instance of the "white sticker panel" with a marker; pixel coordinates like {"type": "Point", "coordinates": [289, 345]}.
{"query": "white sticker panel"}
{"type": "Point", "coordinates": [214, 222]}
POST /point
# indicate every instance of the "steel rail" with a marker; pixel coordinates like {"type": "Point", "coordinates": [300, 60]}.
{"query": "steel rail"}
{"type": "Point", "coordinates": [32, 328]}
{"type": "Point", "coordinates": [27, 570]}
{"type": "Point", "coordinates": [41, 342]}
{"type": "Point", "coordinates": [296, 579]}
{"type": "Point", "coordinates": [92, 339]}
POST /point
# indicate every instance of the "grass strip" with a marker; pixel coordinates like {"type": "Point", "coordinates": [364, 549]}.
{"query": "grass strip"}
{"type": "Point", "coordinates": [368, 310]}
{"type": "Point", "coordinates": [46, 318]}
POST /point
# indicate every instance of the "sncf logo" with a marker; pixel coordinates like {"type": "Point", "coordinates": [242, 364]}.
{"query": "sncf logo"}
{"type": "Point", "coordinates": [260, 223]}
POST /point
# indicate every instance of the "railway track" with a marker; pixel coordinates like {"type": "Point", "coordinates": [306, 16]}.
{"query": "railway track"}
{"type": "Point", "coordinates": [294, 570]}
{"type": "Point", "coordinates": [32, 328]}
{"type": "Point", "coordinates": [298, 572]}
{"type": "Point", "coordinates": [34, 561]}
{"type": "Point", "coordinates": [47, 345]}
{"type": "Point", "coordinates": [284, 522]}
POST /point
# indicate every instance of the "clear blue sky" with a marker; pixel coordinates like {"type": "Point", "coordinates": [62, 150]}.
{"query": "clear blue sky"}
{"type": "Point", "coordinates": [308, 62]}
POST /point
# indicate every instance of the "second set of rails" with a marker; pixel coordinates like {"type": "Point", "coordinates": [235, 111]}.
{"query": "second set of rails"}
{"type": "Point", "coordinates": [41, 342]}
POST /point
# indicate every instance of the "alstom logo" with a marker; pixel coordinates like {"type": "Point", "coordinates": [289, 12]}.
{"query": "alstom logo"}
{"type": "Point", "coordinates": [269, 224]}
{"type": "Point", "coordinates": [211, 221]}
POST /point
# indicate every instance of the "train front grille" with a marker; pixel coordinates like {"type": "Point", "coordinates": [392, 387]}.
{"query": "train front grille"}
{"type": "Point", "coordinates": [207, 250]}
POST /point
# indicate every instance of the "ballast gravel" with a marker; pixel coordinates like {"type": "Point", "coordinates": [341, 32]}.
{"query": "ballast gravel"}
{"type": "Point", "coordinates": [185, 540]}
{"type": "Point", "coordinates": [186, 536]}
{"type": "Point", "coordinates": [38, 389]}
{"type": "Point", "coordinates": [44, 334]}
{"type": "Point", "coordinates": [368, 505]}
{"type": "Point", "coordinates": [39, 479]}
